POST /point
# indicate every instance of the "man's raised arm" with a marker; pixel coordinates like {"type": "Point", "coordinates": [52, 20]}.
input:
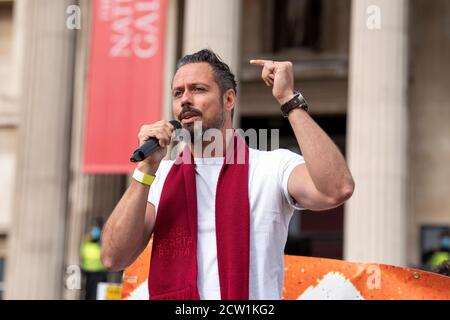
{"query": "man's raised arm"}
{"type": "Point", "coordinates": [324, 181]}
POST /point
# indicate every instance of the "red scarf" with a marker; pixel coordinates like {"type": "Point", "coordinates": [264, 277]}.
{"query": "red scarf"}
{"type": "Point", "coordinates": [173, 267]}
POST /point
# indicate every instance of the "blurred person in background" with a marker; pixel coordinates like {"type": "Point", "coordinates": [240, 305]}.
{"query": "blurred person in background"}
{"type": "Point", "coordinates": [440, 259]}
{"type": "Point", "coordinates": [91, 264]}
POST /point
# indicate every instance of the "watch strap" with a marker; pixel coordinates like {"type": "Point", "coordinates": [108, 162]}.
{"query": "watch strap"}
{"type": "Point", "coordinates": [296, 102]}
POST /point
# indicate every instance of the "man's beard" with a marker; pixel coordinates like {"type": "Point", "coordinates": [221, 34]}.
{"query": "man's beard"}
{"type": "Point", "coordinates": [197, 132]}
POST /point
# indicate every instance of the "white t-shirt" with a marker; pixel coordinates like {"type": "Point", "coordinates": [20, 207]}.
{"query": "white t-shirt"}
{"type": "Point", "coordinates": [271, 208]}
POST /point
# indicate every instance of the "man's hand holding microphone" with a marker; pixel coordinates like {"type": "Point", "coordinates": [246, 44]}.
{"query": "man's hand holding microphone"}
{"type": "Point", "coordinates": [153, 142]}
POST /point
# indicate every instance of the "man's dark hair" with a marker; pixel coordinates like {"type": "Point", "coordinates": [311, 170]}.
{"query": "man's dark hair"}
{"type": "Point", "coordinates": [223, 76]}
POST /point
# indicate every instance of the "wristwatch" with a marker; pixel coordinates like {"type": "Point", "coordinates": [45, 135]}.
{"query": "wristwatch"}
{"type": "Point", "coordinates": [296, 102]}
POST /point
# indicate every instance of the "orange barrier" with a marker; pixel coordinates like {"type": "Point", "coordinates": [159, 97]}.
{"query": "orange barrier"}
{"type": "Point", "coordinates": [316, 278]}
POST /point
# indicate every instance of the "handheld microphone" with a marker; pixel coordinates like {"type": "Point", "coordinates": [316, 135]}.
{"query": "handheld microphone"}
{"type": "Point", "coordinates": [150, 146]}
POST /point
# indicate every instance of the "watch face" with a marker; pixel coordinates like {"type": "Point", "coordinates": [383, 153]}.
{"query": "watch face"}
{"type": "Point", "coordinates": [300, 98]}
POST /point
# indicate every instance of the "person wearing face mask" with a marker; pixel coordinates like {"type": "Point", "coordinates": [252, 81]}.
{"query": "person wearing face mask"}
{"type": "Point", "coordinates": [91, 264]}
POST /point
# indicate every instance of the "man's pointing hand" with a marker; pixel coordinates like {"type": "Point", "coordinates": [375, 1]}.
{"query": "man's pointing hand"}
{"type": "Point", "coordinates": [280, 76]}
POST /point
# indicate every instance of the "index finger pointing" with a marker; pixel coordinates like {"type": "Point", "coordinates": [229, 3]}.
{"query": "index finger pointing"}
{"type": "Point", "coordinates": [259, 62]}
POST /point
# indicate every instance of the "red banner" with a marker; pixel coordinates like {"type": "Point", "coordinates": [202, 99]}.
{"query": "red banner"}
{"type": "Point", "coordinates": [125, 80]}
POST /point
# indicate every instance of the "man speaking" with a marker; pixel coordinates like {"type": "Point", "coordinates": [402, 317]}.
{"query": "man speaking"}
{"type": "Point", "coordinates": [220, 225]}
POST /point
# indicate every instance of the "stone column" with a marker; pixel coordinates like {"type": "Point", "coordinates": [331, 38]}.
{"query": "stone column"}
{"type": "Point", "coordinates": [214, 24]}
{"type": "Point", "coordinates": [375, 221]}
{"type": "Point", "coordinates": [170, 56]}
{"type": "Point", "coordinates": [90, 196]}
{"type": "Point", "coordinates": [36, 243]}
